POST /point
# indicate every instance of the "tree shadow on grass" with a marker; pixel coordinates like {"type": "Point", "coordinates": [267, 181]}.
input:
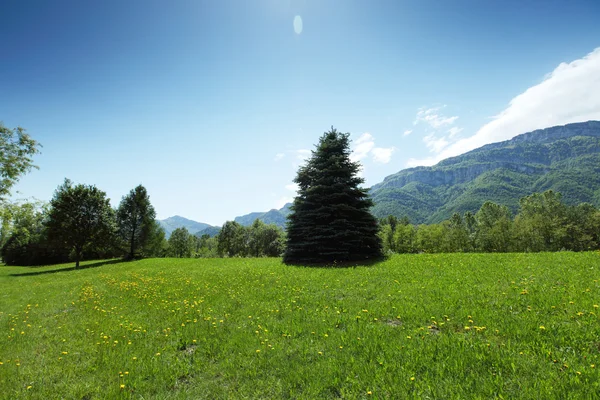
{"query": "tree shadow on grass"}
{"type": "Point", "coordinates": [86, 266]}
{"type": "Point", "coordinates": [339, 264]}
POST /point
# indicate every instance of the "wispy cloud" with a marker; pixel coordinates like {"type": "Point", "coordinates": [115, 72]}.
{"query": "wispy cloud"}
{"type": "Point", "coordinates": [433, 117]}
{"type": "Point", "coordinates": [362, 146]}
{"type": "Point", "coordinates": [383, 155]}
{"type": "Point", "coordinates": [568, 94]}
{"type": "Point", "coordinates": [279, 156]}
{"type": "Point", "coordinates": [302, 154]}
{"type": "Point", "coordinates": [455, 130]}
{"type": "Point", "coordinates": [292, 187]}
{"type": "Point", "coordinates": [407, 132]}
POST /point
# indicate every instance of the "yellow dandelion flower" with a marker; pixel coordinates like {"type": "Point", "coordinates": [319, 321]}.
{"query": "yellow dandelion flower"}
{"type": "Point", "coordinates": [320, 353]}
{"type": "Point", "coordinates": [369, 393]}
{"type": "Point", "coordinates": [412, 378]}
{"type": "Point", "coordinates": [122, 386]}
{"type": "Point", "coordinates": [258, 350]}
{"type": "Point", "coordinates": [542, 327]}
{"type": "Point", "coordinates": [158, 354]}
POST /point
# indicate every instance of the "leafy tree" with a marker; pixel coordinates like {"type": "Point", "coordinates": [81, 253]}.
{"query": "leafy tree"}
{"type": "Point", "coordinates": [232, 240]}
{"type": "Point", "coordinates": [494, 228]}
{"type": "Point", "coordinates": [404, 238]}
{"type": "Point", "coordinates": [81, 219]}
{"type": "Point", "coordinates": [207, 246]}
{"type": "Point", "coordinates": [135, 219]}
{"type": "Point", "coordinates": [156, 244]}
{"type": "Point", "coordinates": [180, 243]}
{"type": "Point", "coordinates": [16, 150]}
{"type": "Point", "coordinates": [330, 219]}
{"type": "Point", "coordinates": [458, 234]}
{"type": "Point", "coordinates": [542, 221]}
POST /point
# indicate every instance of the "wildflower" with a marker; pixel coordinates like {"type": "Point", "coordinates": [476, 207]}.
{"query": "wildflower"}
{"type": "Point", "coordinates": [412, 378]}
{"type": "Point", "coordinates": [542, 327]}
{"type": "Point", "coordinates": [320, 353]}
{"type": "Point", "coordinates": [29, 387]}
{"type": "Point", "coordinates": [369, 393]}
{"type": "Point", "coordinates": [122, 386]}
{"type": "Point", "coordinates": [258, 350]}
{"type": "Point", "coordinates": [158, 354]}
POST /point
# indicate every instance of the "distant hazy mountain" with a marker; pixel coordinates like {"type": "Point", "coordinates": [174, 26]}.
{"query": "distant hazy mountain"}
{"type": "Point", "coordinates": [562, 158]}
{"type": "Point", "coordinates": [172, 223]}
{"type": "Point", "coordinates": [211, 231]}
{"type": "Point", "coordinates": [277, 217]}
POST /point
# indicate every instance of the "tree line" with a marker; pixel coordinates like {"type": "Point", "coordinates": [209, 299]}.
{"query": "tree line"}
{"type": "Point", "coordinates": [542, 223]}
{"type": "Point", "coordinates": [79, 224]}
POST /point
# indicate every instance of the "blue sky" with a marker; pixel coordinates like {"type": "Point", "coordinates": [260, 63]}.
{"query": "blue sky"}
{"type": "Point", "coordinates": [212, 105]}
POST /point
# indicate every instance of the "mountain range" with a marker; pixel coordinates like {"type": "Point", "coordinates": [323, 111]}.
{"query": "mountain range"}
{"type": "Point", "coordinates": [565, 159]}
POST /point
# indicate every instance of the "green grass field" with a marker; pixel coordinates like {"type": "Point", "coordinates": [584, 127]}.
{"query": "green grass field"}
{"type": "Point", "coordinates": [415, 326]}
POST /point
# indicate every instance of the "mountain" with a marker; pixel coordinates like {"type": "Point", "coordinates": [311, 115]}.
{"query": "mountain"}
{"type": "Point", "coordinates": [211, 231]}
{"type": "Point", "coordinates": [277, 217]}
{"type": "Point", "coordinates": [562, 158]}
{"type": "Point", "coordinates": [172, 223]}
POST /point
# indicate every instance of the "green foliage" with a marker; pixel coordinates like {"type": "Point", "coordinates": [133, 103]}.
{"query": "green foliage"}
{"type": "Point", "coordinates": [544, 223]}
{"type": "Point", "coordinates": [156, 244]}
{"type": "Point", "coordinates": [81, 219]}
{"type": "Point", "coordinates": [135, 220]}
{"type": "Point", "coordinates": [16, 151]}
{"type": "Point", "coordinates": [426, 326]}
{"type": "Point", "coordinates": [258, 240]}
{"type": "Point", "coordinates": [181, 243]}
{"type": "Point", "coordinates": [330, 219]}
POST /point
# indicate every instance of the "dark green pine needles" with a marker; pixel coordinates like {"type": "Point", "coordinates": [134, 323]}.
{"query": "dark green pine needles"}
{"type": "Point", "coordinates": [330, 220]}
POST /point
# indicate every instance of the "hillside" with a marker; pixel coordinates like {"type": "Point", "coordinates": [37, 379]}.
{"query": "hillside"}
{"type": "Point", "coordinates": [172, 223]}
{"type": "Point", "coordinates": [562, 158]}
{"type": "Point", "coordinates": [277, 217]}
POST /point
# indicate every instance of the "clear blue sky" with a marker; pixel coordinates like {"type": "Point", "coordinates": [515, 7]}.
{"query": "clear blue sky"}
{"type": "Point", "coordinates": [210, 104]}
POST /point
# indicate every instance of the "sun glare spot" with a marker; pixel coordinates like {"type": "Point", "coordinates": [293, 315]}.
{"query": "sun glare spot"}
{"type": "Point", "coordinates": [298, 24]}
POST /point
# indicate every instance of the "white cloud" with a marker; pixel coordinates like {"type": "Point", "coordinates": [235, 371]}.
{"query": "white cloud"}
{"type": "Point", "coordinates": [279, 156]}
{"type": "Point", "coordinates": [362, 146]}
{"type": "Point", "coordinates": [570, 93]}
{"type": "Point", "coordinates": [435, 144]}
{"type": "Point", "coordinates": [302, 154]}
{"type": "Point", "coordinates": [407, 132]}
{"type": "Point", "coordinates": [292, 187]}
{"type": "Point", "coordinates": [382, 155]}
{"type": "Point", "coordinates": [283, 201]}
{"type": "Point", "coordinates": [433, 117]}
{"type": "Point", "coordinates": [454, 131]}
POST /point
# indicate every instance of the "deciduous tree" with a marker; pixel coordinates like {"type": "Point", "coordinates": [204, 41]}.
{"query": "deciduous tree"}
{"type": "Point", "coordinates": [80, 218]}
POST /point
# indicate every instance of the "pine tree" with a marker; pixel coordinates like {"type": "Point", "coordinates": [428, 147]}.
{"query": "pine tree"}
{"type": "Point", "coordinates": [330, 220]}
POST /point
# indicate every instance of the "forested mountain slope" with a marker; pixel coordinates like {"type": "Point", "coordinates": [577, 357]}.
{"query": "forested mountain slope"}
{"type": "Point", "coordinates": [562, 158]}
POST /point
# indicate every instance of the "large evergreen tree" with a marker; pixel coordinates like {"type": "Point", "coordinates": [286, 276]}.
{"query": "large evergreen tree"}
{"type": "Point", "coordinates": [330, 219]}
{"type": "Point", "coordinates": [135, 218]}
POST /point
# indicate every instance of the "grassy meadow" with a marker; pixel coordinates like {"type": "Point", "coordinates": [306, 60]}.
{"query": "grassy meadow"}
{"type": "Point", "coordinates": [414, 326]}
